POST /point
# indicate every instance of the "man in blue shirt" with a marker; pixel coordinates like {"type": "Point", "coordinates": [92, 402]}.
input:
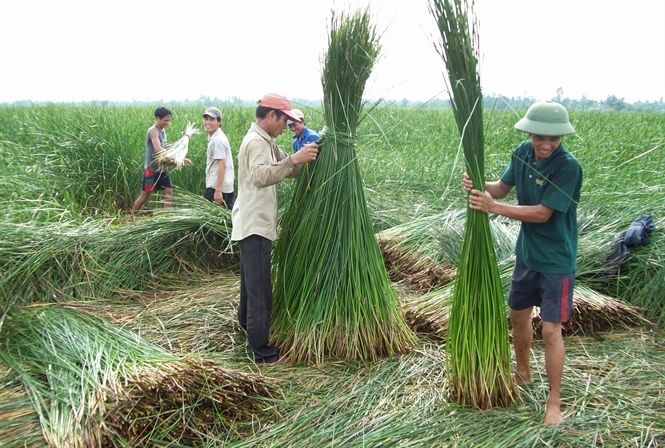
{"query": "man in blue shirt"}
{"type": "Point", "coordinates": [301, 133]}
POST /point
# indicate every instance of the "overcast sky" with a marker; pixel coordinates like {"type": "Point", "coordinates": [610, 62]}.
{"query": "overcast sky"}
{"type": "Point", "coordinates": [126, 50]}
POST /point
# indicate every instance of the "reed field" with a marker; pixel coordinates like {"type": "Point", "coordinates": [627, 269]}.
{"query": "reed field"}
{"type": "Point", "coordinates": [120, 329]}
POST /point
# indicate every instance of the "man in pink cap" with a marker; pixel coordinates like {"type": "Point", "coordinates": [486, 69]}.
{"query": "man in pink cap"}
{"type": "Point", "coordinates": [261, 166]}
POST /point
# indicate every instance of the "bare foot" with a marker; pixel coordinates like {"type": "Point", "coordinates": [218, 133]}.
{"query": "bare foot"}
{"type": "Point", "coordinates": [522, 378]}
{"type": "Point", "coordinates": [553, 414]}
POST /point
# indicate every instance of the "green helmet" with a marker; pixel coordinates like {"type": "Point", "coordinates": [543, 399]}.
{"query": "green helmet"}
{"type": "Point", "coordinates": [546, 118]}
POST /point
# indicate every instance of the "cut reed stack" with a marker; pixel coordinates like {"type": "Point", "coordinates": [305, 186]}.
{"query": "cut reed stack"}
{"type": "Point", "coordinates": [477, 345]}
{"type": "Point", "coordinates": [94, 384]}
{"type": "Point", "coordinates": [332, 295]}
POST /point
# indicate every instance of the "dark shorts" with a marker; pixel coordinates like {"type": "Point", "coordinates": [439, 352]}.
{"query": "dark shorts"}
{"type": "Point", "coordinates": [553, 293]}
{"type": "Point", "coordinates": [209, 194]}
{"type": "Point", "coordinates": [155, 180]}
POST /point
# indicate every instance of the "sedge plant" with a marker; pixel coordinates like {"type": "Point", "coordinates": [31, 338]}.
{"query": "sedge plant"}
{"type": "Point", "coordinates": [478, 346]}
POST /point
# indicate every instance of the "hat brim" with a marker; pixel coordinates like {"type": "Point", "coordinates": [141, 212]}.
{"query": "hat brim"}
{"type": "Point", "coordinates": [546, 129]}
{"type": "Point", "coordinates": [292, 116]}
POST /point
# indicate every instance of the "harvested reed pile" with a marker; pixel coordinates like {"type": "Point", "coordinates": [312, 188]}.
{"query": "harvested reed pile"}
{"type": "Point", "coordinates": [420, 273]}
{"type": "Point", "coordinates": [424, 252]}
{"type": "Point", "coordinates": [92, 383]}
{"type": "Point", "coordinates": [332, 294]}
{"type": "Point", "coordinates": [593, 312]}
{"type": "Point", "coordinates": [183, 401]}
{"type": "Point", "coordinates": [182, 319]}
{"type": "Point", "coordinates": [19, 423]}
{"type": "Point", "coordinates": [77, 260]}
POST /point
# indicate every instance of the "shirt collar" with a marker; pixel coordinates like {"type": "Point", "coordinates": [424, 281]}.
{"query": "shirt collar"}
{"type": "Point", "coordinates": [259, 130]}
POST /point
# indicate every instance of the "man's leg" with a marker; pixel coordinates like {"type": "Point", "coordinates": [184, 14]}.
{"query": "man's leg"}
{"type": "Point", "coordinates": [163, 183]}
{"type": "Point", "coordinates": [554, 355]}
{"type": "Point", "coordinates": [209, 194]}
{"type": "Point", "coordinates": [140, 201]}
{"type": "Point", "coordinates": [242, 305]}
{"type": "Point", "coordinates": [168, 197]}
{"type": "Point", "coordinates": [256, 252]}
{"type": "Point", "coordinates": [556, 307]}
{"type": "Point", "coordinates": [522, 329]}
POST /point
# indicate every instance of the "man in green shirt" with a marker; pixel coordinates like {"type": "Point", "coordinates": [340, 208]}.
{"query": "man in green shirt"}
{"type": "Point", "coordinates": [548, 180]}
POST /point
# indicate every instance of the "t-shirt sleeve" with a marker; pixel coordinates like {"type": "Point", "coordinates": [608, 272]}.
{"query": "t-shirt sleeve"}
{"type": "Point", "coordinates": [508, 176]}
{"type": "Point", "coordinates": [562, 186]}
{"type": "Point", "coordinates": [219, 149]}
{"type": "Point", "coordinates": [312, 138]}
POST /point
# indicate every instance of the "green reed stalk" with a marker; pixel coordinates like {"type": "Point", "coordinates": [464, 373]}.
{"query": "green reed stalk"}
{"type": "Point", "coordinates": [477, 345]}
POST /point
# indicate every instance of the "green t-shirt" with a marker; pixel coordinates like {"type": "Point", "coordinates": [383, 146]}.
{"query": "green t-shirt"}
{"type": "Point", "coordinates": [554, 182]}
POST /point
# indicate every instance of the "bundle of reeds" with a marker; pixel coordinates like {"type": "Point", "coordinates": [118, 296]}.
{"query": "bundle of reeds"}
{"type": "Point", "coordinates": [93, 257]}
{"type": "Point", "coordinates": [174, 154]}
{"type": "Point", "coordinates": [178, 315]}
{"type": "Point", "coordinates": [92, 383]}
{"type": "Point", "coordinates": [333, 297]}
{"type": "Point", "coordinates": [477, 345]}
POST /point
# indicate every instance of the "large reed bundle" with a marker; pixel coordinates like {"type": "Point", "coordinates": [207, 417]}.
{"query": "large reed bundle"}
{"type": "Point", "coordinates": [333, 297]}
{"type": "Point", "coordinates": [477, 345]}
{"type": "Point", "coordinates": [92, 383]}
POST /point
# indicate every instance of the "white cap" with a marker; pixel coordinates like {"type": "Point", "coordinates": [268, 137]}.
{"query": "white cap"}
{"type": "Point", "coordinates": [298, 113]}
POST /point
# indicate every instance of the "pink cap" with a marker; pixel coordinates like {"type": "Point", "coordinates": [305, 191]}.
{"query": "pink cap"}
{"type": "Point", "coordinates": [281, 103]}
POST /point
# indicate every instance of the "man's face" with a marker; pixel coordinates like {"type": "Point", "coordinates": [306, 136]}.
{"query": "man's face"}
{"type": "Point", "coordinates": [544, 145]}
{"type": "Point", "coordinates": [297, 127]}
{"type": "Point", "coordinates": [210, 124]}
{"type": "Point", "coordinates": [277, 123]}
{"type": "Point", "coordinates": [163, 122]}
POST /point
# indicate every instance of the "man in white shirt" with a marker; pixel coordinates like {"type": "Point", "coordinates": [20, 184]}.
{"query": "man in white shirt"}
{"type": "Point", "coordinates": [219, 161]}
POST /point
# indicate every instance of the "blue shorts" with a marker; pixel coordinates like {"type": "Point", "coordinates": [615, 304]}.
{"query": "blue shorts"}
{"type": "Point", "coordinates": [553, 293]}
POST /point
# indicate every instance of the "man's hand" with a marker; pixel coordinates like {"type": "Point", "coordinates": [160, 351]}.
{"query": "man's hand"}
{"type": "Point", "coordinates": [481, 201]}
{"type": "Point", "coordinates": [218, 198]}
{"type": "Point", "coordinates": [467, 183]}
{"type": "Point", "coordinates": [306, 154]}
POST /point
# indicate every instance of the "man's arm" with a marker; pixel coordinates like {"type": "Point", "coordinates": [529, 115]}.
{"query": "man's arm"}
{"type": "Point", "coordinates": [485, 201]}
{"type": "Point", "coordinates": [221, 172]}
{"type": "Point", "coordinates": [264, 172]}
{"type": "Point", "coordinates": [497, 189]}
{"type": "Point", "coordinates": [154, 138]}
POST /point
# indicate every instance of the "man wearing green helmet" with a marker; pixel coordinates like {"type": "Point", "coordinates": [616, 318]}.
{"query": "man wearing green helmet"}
{"type": "Point", "coordinates": [548, 180]}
